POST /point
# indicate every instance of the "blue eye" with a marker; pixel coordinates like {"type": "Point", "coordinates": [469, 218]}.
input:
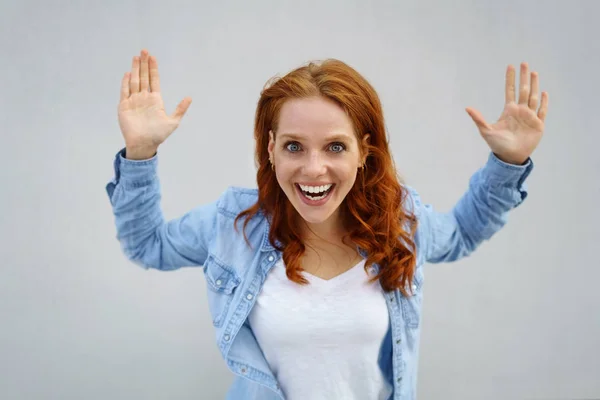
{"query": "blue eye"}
{"type": "Point", "coordinates": [340, 146]}
{"type": "Point", "coordinates": [290, 147]}
{"type": "Point", "coordinates": [294, 147]}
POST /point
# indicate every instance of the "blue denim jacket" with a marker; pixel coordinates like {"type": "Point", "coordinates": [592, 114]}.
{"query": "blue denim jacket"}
{"type": "Point", "coordinates": [235, 272]}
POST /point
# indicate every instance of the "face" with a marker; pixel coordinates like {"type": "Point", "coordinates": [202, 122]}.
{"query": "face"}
{"type": "Point", "coordinates": [316, 157]}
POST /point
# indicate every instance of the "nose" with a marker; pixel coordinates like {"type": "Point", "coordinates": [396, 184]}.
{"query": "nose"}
{"type": "Point", "coordinates": [315, 165]}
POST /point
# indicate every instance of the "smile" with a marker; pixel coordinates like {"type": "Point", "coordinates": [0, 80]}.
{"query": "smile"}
{"type": "Point", "coordinates": [315, 195]}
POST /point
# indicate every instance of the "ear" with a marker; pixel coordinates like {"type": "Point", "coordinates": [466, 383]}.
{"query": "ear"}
{"type": "Point", "coordinates": [365, 145]}
{"type": "Point", "coordinates": [271, 144]}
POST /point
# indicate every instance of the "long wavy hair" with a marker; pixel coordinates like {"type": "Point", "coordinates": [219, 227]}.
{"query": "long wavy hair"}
{"type": "Point", "coordinates": [373, 210]}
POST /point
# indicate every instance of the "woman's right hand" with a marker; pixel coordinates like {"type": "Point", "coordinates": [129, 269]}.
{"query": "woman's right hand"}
{"type": "Point", "coordinates": [142, 117]}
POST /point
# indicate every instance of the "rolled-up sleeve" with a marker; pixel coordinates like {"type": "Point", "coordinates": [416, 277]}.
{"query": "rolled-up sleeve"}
{"type": "Point", "coordinates": [145, 237]}
{"type": "Point", "coordinates": [493, 191]}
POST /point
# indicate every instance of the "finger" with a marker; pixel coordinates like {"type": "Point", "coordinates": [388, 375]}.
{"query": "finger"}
{"type": "Point", "coordinates": [181, 108]}
{"type": "Point", "coordinates": [524, 84]}
{"type": "Point", "coordinates": [134, 79]}
{"type": "Point", "coordinates": [154, 77]}
{"type": "Point", "coordinates": [477, 118]}
{"type": "Point", "coordinates": [543, 107]}
{"type": "Point", "coordinates": [510, 85]}
{"type": "Point", "coordinates": [125, 87]}
{"type": "Point", "coordinates": [535, 91]}
{"type": "Point", "coordinates": [144, 84]}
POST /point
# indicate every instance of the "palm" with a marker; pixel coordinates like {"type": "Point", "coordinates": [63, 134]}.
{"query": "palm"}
{"type": "Point", "coordinates": [519, 129]}
{"type": "Point", "coordinates": [142, 117]}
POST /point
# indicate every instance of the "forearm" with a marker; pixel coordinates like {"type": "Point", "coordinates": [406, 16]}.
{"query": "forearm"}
{"type": "Point", "coordinates": [482, 211]}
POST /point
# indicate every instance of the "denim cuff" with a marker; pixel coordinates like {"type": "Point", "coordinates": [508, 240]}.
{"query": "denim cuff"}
{"type": "Point", "coordinates": [135, 173]}
{"type": "Point", "coordinates": [500, 173]}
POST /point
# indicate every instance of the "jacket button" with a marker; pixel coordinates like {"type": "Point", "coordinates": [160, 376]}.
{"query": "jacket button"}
{"type": "Point", "coordinates": [249, 297]}
{"type": "Point", "coordinates": [219, 282]}
{"type": "Point", "coordinates": [226, 337]}
{"type": "Point", "coordinates": [271, 258]}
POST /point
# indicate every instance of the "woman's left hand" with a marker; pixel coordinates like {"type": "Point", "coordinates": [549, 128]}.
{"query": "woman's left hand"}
{"type": "Point", "coordinates": [519, 129]}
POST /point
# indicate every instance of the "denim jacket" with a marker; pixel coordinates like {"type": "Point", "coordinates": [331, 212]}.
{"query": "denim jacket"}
{"type": "Point", "coordinates": [235, 272]}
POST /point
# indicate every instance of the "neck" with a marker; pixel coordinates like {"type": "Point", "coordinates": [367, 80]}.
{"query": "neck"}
{"type": "Point", "coordinates": [332, 230]}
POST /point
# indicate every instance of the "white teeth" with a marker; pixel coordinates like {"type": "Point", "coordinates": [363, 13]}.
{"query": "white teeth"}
{"type": "Point", "coordinates": [315, 198]}
{"type": "Point", "coordinates": [324, 189]}
{"type": "Point", "coordinates": [315, 189]}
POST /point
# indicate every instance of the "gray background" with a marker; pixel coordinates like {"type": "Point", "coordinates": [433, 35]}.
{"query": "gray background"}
{"type": "Point", "coordinates": [517, 320]}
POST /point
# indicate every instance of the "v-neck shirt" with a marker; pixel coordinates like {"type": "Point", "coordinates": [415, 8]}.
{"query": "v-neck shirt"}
{"type": "Point", "coordinates": [322, 340]}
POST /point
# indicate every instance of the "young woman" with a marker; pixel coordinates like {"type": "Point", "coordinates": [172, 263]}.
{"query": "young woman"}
{"type": "Point", "coordinates": [315, 277]}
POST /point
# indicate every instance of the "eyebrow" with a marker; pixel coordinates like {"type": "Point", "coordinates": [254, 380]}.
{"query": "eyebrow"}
{"type": "Point", "coordinates": [332, 138]}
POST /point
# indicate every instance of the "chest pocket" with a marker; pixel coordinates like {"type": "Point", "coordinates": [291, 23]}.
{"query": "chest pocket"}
{"type": "Point", "coordinates": [221, 281]}
{"type": "Point", "coordinates": [411, 306]}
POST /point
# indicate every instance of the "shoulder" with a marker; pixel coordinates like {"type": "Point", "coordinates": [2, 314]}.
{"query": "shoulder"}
{"type": "Point", "coordinates": [412, 200]}
{"type": "Point", "coordinates": [413, 204]}
{"type": "Point", "coordinates": [237, 199]}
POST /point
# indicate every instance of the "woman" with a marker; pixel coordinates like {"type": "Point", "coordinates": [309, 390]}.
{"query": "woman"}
{"type": "Point", "coordinates": [315, 278]}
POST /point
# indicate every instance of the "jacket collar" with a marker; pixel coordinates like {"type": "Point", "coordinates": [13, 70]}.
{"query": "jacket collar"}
{"type": "Point", "coordinates": [266, 245]}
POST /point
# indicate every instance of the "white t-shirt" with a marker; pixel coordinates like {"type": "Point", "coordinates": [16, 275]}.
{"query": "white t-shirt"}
{"type": "Point", "coordinates": [322, 340]}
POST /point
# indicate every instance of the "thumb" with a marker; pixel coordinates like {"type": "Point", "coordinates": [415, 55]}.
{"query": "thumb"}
{"type": "Point", "coordinates": [477, 118]}
{"type": "Point", "coordinates": [181, 108]}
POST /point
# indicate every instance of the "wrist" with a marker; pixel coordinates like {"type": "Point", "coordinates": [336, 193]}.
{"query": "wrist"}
{"type": "Point", "coordinates": [512, 160]}
{"type": "Point", "coordinates": [140, 152]}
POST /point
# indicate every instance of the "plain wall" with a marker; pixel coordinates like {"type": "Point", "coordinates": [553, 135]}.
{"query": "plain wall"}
{"type": "Point", "coordinates": [519, 319]}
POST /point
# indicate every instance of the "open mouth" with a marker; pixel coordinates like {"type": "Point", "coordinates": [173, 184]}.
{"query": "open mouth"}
{"type": "Point", "coordinates": [315, 196]}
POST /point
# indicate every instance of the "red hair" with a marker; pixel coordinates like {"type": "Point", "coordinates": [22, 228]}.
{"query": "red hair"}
{"type": "Point", "coordinates": [373, 209]}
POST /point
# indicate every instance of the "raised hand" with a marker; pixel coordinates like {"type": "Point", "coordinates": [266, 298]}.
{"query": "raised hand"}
{"type": "Point", "coordinates": [520, 127]}
{"type": "Point", "coordinates": [142, 117]}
